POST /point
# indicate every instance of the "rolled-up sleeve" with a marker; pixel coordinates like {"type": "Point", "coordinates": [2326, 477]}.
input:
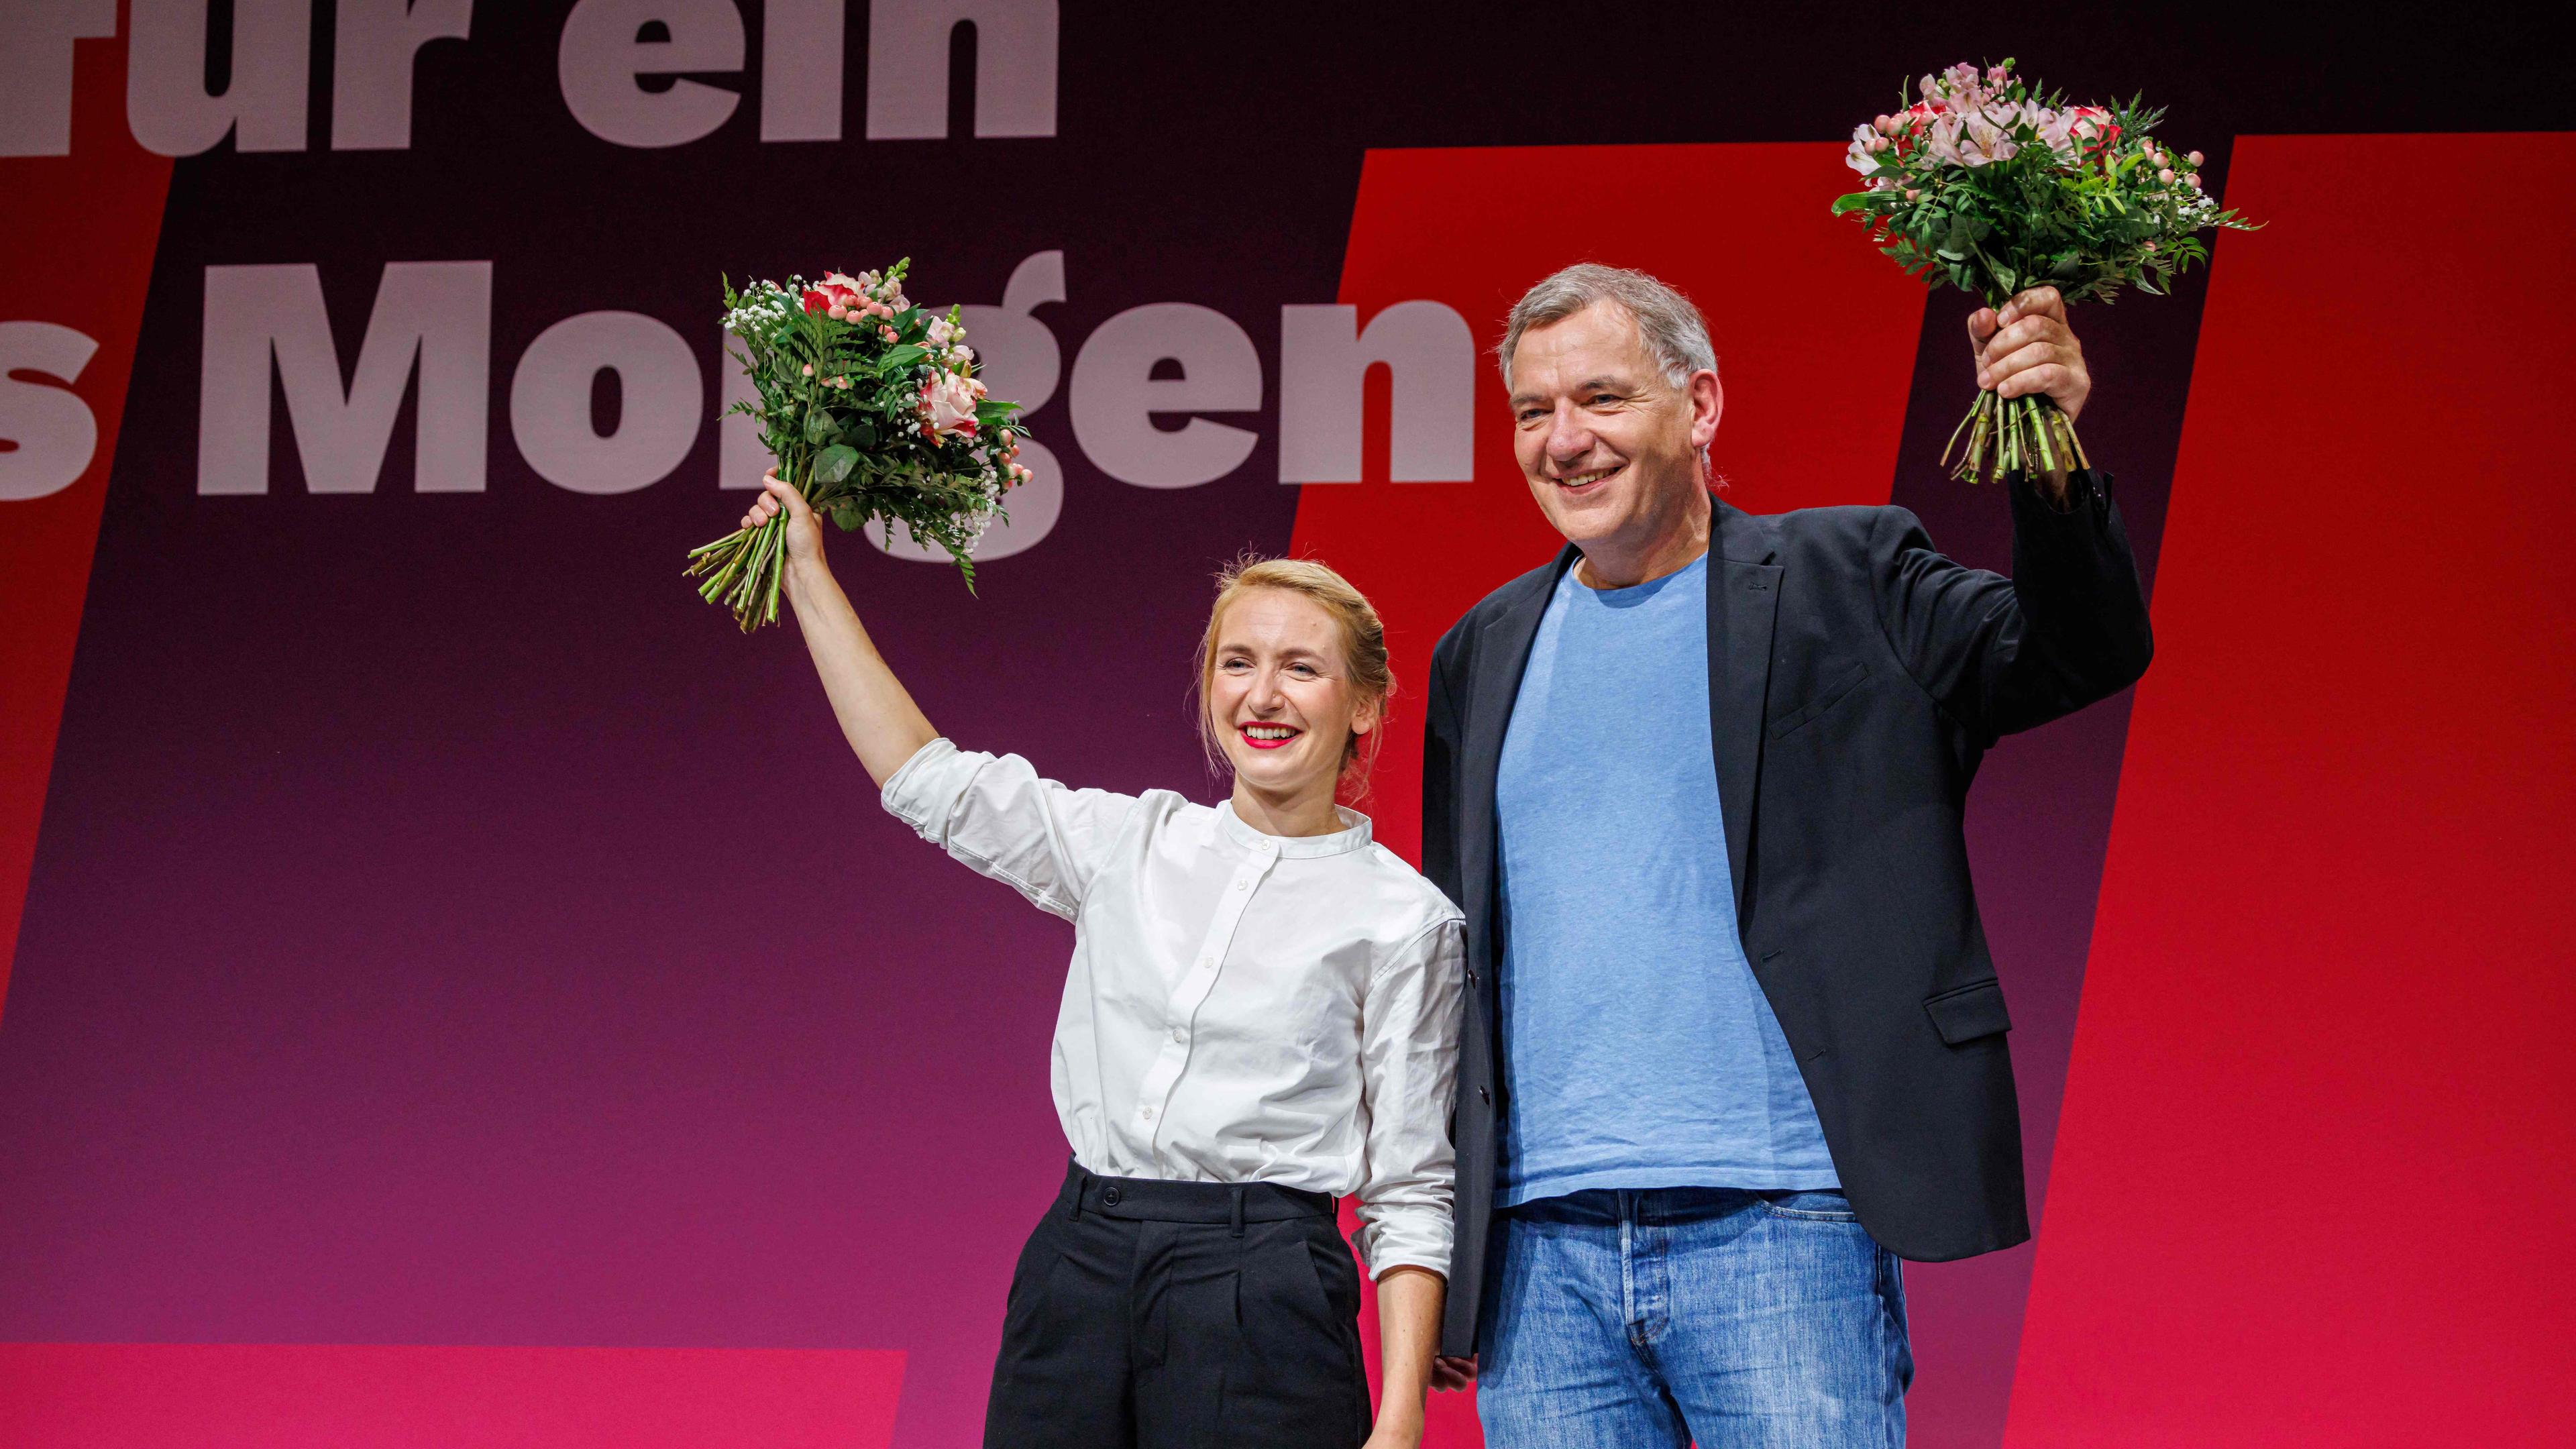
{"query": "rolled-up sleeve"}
{"type": "Point", "coordinates": [999, 816]}
{"type": "Point", "coordinates": [1409, 1083]}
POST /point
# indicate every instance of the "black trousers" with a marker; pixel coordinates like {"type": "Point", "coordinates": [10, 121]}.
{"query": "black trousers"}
{"type": "Point", "coordinates": [1176, 1315]}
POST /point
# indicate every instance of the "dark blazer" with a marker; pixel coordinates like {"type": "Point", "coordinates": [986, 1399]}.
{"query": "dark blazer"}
{"type": "Point", "coordinates": [1856, 677]}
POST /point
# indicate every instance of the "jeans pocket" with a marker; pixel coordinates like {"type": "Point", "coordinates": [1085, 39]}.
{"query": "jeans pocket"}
{"type": "Point", "coordinates": [1809, 1207]}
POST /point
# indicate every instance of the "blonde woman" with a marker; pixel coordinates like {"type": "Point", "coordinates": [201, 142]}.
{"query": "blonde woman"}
{"type": "Point", "coordinates": [1261, 1016]}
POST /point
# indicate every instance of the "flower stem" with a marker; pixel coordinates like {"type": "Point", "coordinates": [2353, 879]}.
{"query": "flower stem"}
{"type": "Point", "coordinates": [1974, 409]}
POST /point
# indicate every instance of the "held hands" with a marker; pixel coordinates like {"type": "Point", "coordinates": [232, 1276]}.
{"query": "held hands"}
{"type": "Point", "coordinates": [804, 529]}
{"type": "Point", "coordinates": [2028, 348]}
{"type": "Point", "coordinates": [1453, 1373]}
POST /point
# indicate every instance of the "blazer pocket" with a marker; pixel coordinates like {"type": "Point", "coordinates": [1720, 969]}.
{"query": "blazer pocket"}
{"type": "Point", "coordinates": [1821, 701]}
{"type": "Point", "coordinates": [1966, 1013]}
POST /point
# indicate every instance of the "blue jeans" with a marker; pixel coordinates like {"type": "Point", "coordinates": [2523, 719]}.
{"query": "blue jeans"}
{"type": "Point", "coordinates": [1730, 1319]}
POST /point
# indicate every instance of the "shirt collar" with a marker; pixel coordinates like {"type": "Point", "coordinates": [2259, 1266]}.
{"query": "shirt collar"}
{"type": "Point", "coordinates": [1295, 847]}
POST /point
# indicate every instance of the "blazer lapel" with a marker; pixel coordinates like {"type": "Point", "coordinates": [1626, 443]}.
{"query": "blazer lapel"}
{"type": "Point", "coordinates": [1502, 653]}
{"type": "Point", "coordinates": [1743, 605]}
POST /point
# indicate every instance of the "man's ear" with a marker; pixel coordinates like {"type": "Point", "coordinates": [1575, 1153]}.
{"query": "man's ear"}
{"type": "Point", "coordinates": [1708, 404]}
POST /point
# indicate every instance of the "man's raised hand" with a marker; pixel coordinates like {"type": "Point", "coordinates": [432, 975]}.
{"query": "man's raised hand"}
{"type": "Point", "coordinates": [2028, 348]}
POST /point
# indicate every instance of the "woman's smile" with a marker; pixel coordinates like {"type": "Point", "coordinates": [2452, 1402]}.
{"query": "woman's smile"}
{"type": "Point", "coordinates": [1264, 735]}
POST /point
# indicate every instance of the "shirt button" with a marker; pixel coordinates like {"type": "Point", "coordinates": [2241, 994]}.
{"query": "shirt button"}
{"type": "Point", "coordinates": [1243, 885]}
{"type": "Point", "coordinates": [1180, 1033]}
{"type": "Point", "coordinates": [1112, 1196]}
{"type": "Point", "coordinates": [1145, 1112]}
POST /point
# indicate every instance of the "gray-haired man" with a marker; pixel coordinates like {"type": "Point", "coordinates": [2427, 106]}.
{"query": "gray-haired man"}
{"type": "Point", "coordinates": [1734, 1041]}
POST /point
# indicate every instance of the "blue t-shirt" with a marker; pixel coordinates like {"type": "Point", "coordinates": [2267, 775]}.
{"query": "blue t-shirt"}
{"type": "Point", "coordinates": [1638, 1051]}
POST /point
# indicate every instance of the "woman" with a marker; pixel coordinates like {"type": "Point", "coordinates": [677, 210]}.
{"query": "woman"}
{"type": "Point", "coordinates": [1261, 1015]}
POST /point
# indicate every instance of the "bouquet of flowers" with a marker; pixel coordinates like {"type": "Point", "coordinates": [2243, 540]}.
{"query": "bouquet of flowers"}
{"type": "Point", "coordinates": [874, 413]}
{"type": "Point", "coordinates": [1993, 185]}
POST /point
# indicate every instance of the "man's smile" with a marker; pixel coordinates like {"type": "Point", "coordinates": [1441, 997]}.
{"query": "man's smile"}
{"type": "Point", "coordinates": [1582, 485]}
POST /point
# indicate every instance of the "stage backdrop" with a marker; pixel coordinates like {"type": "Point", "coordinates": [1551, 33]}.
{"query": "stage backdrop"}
{"type": "Point", "coordinates": [463, 993]}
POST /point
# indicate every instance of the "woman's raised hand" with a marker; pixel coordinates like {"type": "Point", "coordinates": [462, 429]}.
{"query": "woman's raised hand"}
{"type": "Point", "coordinates": [804, 528]}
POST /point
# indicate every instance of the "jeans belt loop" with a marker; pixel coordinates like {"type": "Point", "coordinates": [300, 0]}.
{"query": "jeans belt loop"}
{"type": "Point", "coordinates": [1238, 1209]}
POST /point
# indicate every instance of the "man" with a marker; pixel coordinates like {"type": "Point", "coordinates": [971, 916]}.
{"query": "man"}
{"type": "Point", "coordinates": [1734, 1042]}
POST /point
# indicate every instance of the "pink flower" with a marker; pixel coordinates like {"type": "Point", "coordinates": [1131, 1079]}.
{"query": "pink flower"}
{"type": "Point", "coordinates": [948, 403]}
{"type": "Point", "coordinates": [1912, 194]}
{"type": "Point", "coordinates": [2165, 176]}
{"type": "Point", "coordinates": [2194, 158]}
{"type": "Point", "coordinates": [809, 369]}
{"type": "Point", "coordinates": [837, 312]}
{"type": "Point", "coordinates": [942, 332]}
{"type": "Point", "coordinates": [1985, 142]}
{"type": "Point", "coordinates": [2075, 130]}
{"type": "Point", "coordinates": [2193, 180]}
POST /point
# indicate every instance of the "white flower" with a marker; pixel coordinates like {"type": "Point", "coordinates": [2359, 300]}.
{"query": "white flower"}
{"type": "Point", "coordinates": [2057, 131]}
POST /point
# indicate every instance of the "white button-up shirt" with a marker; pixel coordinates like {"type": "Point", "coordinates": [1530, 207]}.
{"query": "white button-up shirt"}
{"type": "Point", "coordinates": [1241, 1007]}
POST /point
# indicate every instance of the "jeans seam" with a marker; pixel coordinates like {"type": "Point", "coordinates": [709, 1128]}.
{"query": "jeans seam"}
{"type": "Point", "coordinates": [1627, 1268]}
{"type": "Point", "coordinates": [1804, 1216]}
{"type": "Point", "coordinates": [1894, 1342]}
